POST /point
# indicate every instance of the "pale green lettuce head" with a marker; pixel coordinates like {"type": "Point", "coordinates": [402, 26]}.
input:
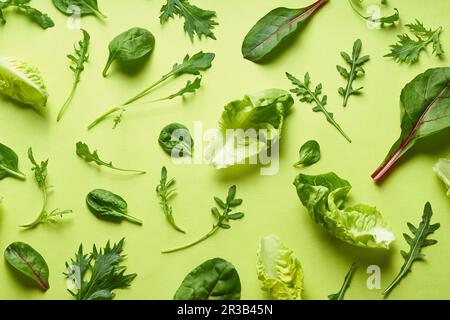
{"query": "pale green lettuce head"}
{"type": "Point", "coordinates": [22, 82]}
{"type": "Point", "coordinates": [360, 225]}
{"type": "Point", "coordinates": [280, 272]}
{"type": "Point", "coordinates": [442, 169]}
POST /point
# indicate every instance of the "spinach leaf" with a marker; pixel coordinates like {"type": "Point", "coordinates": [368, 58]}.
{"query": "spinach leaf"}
{"type": "Point", "coordinates": [176, 140]}
{"type": "Point", "coordinates": [197, 21]}
{"type": "Point", "coordinates": [223, 218]}
{"type": "Point", "coordinates": [345, 285]}
{"type": "Point", "coordinates": [84, 153]}
{"type": "Point", "coordinates": [106, 273]}
{"type": "Point", "coordinates": [165, 191]}
{"type": "Point", "coordinates": [416, 243]}
{"type": "Point", "coordinates": [108, 206]}
{"type": "Point", "coordinates": [309, 154]}
{"type": "Point", "coordinates": [42, 19]}
{"type": "Point", "coordinates": [303, 91]}
{"type": "Point", "coordinates": [130, 45]}
{"type": "Point", "coordinates": [9, 163]}
{"type": "Point", "coordinates": [356, 70]}
{"type": "Point", "coordinates": [425, 106]}
{"type": "Point", "coordinates": [40, 174]}
{"type": "Point", "coordinates": [273, 28]}
{"type": "Point", "coordinates": [214, 279]}
{"type": "Point", "coordinates": [85, 7]}
{"type": "Point", "coordinates": [29, 262]}
{"type": "Point", "coordinates": [78, 60]}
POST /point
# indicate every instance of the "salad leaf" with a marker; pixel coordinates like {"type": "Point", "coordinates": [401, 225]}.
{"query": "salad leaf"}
{"type": "Point", "coordinates": [40, 174]}
{"type": "Point", "coordinates": [356, 70]}
{"type": "Point", "coordinates": [176, 140]}
{"type": "Point", "coordinates": [425, 106]}
{"type": "Point", "coordinates": [303, 91]}
{"type": "Point", "coordinates": [280, 273]}
{"type": "Point", "coordinates": [223, 218]}
{"type": "Point", "coordinates": [106, 205]}
{"type": "Point", "coordinates": [9, 163]}
{"type": "Point", "coordinates": [309, 154]}
{"type": "Point", "coordinates": [86, 7]}
{"type": "Point", "coordinates": [416, 243]}
{"type": "Point", "coordinates": [381, 21]}
{"type": "Point", "coordinates": [22, 82]}
{"type": "Point", "coordinates": [345, 285]}
{"type": "Point", "coordinates": [106, 273]}
{"type": "Point", "coordinates": [197, 21]}
{"type": "Point", "coordinates": [84, 153]}
{"type": "Point", "coordinates": [42, 19]}
{"type": "Point", "coordinates": [273, 28]}
{"type": "Point", "coordinates": [442, 169]}
{"type": "Point", "coordinates": [359, 225]}
{"type": "Point", "coordinates": [264, 112]}
{"type": "Point", "coordinates": [408, 50]}
{"type": "Point", "coordinates": [130, 45]}
{"type": "Point", "coordinates": [29, 262]}
{"type": "Point", "coordinates": [214, 279]}
{"type": "Point", "coordinates": [78, 60]}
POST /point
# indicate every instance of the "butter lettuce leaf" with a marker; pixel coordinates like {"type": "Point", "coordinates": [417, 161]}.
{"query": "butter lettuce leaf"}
{"type": "Point", "coordinates": [442, 169]}
{"type": "Point", "coordinates": [280, 273]}
{"type": "Point", "coordinates": [359, 225]}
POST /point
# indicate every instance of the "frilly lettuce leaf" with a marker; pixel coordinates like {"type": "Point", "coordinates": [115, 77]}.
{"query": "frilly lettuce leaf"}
{"type": "Point", "coordinates": [263, 110]}
{"type": "Point", "coordinates": [22, 82]}
{"type": "Point", "coordinates": [280, 272]}
{"type": "Point", "coordinates": [442, 169]}
{"type": "Point", "coordinates": [360, 225]}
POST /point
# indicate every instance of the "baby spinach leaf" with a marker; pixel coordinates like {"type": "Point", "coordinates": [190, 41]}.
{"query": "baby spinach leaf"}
{"type": "Point", "coordinates": [176, 140]}
{"type": "Point", "coordinates": [42, 19]}
{"type": "Point", "coordinates": [303, 91]}
{"type": "Point", "coordinates": [29, 262]}
{"type": "Point", "coordinates": [214, 279]}
{"type": "Point", "coordinates": [85, 7]}
{"type": "Point", "coordinates": [108, 206]}
{"type": "Point", "coordinates": [309, 154]}
{"type": "Point", "coordinates": [165, 191]}
{"type": "Point", "coordinates": [273, 28]}
{"type": "Point", "coordinates": [425, 105]}
{"type": "Point", "coordinates": [9, 163]}
{"type": "Point", "coordinates": [130, 45]}
{"type": "Point", "coordinates": [345, 285]}
{"type": "Point", "coordinates": [222, 219]}
{"type": "Point", "coordinates": [106, 273]}
{"type": "Point", "coordinates": [78, 60]}
{"type": "Point", "coordinates": [84, 153]}
{"type": "Point", "coordinates": [197, 21]}
{"type": "Point", "coordinates": [442, 169]}
{"type": "Point", "coordinates": [416, 243]}
{"type": "Point", "coordinates": [356, 70]}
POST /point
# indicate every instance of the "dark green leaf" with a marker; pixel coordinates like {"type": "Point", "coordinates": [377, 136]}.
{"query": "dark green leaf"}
{"type": "Point", "coordinates": [176, 140]}
{"type": "Point", "coordinates": [309, 154]}
{"type": "Point", "coordinates": [9, 163]}
{"type": "Point", "coordinates": [42, 19]}
{"type": "Point", "coordinates": [83, 7]}
{"type": "Point", "coordinates": [236, 216]}
{"type": "Point", "coordinates": [345, 285]}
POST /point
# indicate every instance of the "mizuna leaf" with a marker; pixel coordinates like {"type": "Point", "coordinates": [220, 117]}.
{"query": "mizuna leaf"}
{"type": "Point", "coordinates": [425, 110]}
{"type": "Point", "coordinates": [416, 243]}
{"type": "Point", "coordinates": [214, 279]}
{"type": "Point", "coordinates": [275, 26]}
{"type": "Point", "coordinates": [345, 285]}
{"type": "Point", "coordinates": [29, 262]}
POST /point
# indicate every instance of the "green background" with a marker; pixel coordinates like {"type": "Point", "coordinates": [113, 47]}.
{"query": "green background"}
{"type": "Point", "coordinates": [270, 202]}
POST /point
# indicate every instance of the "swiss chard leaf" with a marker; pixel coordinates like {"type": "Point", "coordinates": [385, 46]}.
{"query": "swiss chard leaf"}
{"type": "Point", "coordinates": [416, 242]}
{"type": "Point", "coordinates": [29, 262]}
{"type": "Point", "coordinates": [273, 28]}
{"type": "Point", "coordinates": [425, 110]}
{"type": "Point", "coordinates": [9, 163]}
{"type": "Point", "coordinates": [214, 279]}
{"type": "Point", "coordinates": [83, 7]}
{"type": "Point", "coordinates": [309, 154]}
{"type": "Point", "coordinates": [345, 285]}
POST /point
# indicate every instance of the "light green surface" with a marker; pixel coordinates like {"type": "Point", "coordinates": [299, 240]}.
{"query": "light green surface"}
{"type": "Point", "coordinates": [270, 202]}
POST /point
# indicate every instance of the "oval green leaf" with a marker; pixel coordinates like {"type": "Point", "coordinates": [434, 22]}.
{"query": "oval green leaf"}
{"type": "Point", "coordinates": [9, 163]}
{"type": "Point", "coordinates": [176, 140]}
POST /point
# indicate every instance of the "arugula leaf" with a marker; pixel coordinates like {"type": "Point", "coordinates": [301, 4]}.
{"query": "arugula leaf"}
{"type": "Point", "coordinates": [345, 285]}
{"type": "Point", "coordinates": [9, 163]}
{"type": "Point", "coordinates": [273, 28]}
{"type": "Point", "coordinates": [356, 70]}
{"type": "Point", "coordinates": [303, 91]}
{"type": "Point", "coordinates": [382, 21]}
{"type": "Point", "coordinates": [416, 243]}
{"type": "Point", "coordinates": [42, 19]}
{"type": "Point", "coordinates": [223, 218]}
{"type": "Point", "coordinates": [196, 20]}
{"type": "Point", "coordinates": [408, 50]}
{"type": "Point", "coordinates": [40, 175]}
{"type": "Point", "coordinates": [78, 60]}
{"type": "Point", "coordinates": [309, 154]}
{"type": "Point", "coordinates": [86, 7]}
{"type": "Point", "coordinates": [424, 112]}
{"type": "Point", "coordinates": [190, 66]}
{"type": "Point", "coordinates": [442, 169]}
{"type": "Point", "coordinates": [165, 191]}
{"type": "Point", "coordinates": [83, 152]}
{"type": "Point", "coordinates": [29, 262]}
{"type": "Point", "coordinates": [106, 273]}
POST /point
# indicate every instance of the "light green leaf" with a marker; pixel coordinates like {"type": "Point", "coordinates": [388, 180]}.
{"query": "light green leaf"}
{"type": "Point", "coordinates": [442, 169]}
